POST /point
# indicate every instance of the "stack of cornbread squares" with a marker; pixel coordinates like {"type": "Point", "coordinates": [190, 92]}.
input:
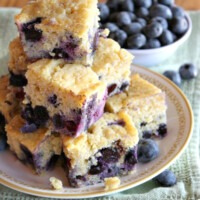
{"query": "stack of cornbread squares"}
{"type": "Point", "coordinates": [70, 93]}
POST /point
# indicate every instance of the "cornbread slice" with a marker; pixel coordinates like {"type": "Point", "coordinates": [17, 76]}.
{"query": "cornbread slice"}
{"type": "Point", "coordinates": [39, 149]}
{"type": "Point", "coordinates": [70, 95]}
{"type": "Point", "coordinates": [107, 149]}
{"type": "Point", "coordinates": [145, 103]}
{"type": "Point", "coordinates": [112, 65]}
{"type": "Point", "coordinates": [10, 98]}
{"type": "Point", "coordinates": [65, 29]}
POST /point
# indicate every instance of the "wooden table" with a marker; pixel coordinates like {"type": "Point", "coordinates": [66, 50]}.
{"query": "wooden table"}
{"type": "Point", "coordinates": [186, 4]}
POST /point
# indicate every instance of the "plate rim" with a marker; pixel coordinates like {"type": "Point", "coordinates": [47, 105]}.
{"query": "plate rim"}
{"type": "Point", "coordinates": [55, 194]}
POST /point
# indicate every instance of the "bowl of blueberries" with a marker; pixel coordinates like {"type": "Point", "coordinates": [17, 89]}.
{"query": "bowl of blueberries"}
{"type": "Point", "coordinates": [151, 30]}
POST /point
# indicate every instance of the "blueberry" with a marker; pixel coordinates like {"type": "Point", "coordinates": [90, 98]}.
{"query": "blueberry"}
{"type": "Point", "coordinates": [142, 12]}
{"type": "Point", "coordinates": [28, 113]}
{"type": "Point", "coordinates": [143, 3]}
{"type": "Point", "coordinates": [188, 71]}
{"type": "Point", "coordinates": [132, 28]}
{"type": "Point", "coordinates": [161, 11]}
{"type": "Point", "coordinates": [177, 11]}
{"type": "Point", "coordinates": [29, 128]}
{"type": "Point", "coordinates": [136, 41]}
{"type": "Point", "coordinates": [162, 130]}
{"type": "Point", "coordinates": [147, 150]}
{"type": "Point", "coordinates": [173, 76]}
{"type": "Point", "coordinates": [96, 169]}
{"type": "Point", "coordinates": [17, 80]}
{"type": "Point", "coordinates": [53, 100]}
{"type": "Point", "coordinates": [104, 11]}
{"type": "Point", "coordinates": [113, 17]}
{"type": "Point", "coordinates": [152, 44]}
{"type": "Point", "coordinates": [113, 4]}
{"type": "Point", "coordinates": [58, 121]}
{"type": "Point", "coordinates": [111, 88]}
{"type": "Point", "coordinates": [141, 21]}
{"type": "Point", "coordinates": [127, 5]}
{"type": "Point", "coordinates": [41, 114]}
{"type": "Point", "coordinates": [147, 134]}
{"type": "Point", "coordinates": [31, 33]}
{"type": "Point", "coordinates": [111, 26]}
{"type": "Point", "coordinates": [3, 142]}
{"type": "Point", "coordinates": [179, 25]}
{"type": "Point", "coordinates": [153, 30]}
{"type": "Point", "coordinates": [166, 2]}
{"type": "Point", "coordinates": [124, 86]}
{"type": "Point", "coordinates": [160, 20]}
{"type": "Point", "coordinates": [166, 178]}
{"type": "Point", "coordinates": [130, 159]}
{"type": "Point", "coordinates": [123, 18]}
{"type": "Point", "coordinates": [132, 16]}
{"type": "Point", "coordinates": [120, 36]}
{"type": "Point", "coordinates": [166, 37]}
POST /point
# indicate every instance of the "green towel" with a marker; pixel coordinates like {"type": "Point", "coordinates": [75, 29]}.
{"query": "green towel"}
{"type": "Point", "coordinates": [186, 168]}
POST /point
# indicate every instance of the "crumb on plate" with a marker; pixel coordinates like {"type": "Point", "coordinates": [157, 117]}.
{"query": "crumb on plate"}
{"type": "Point", "coordinates": [111, 183]}
{"type": "Point", "coordinates": [56, 183]}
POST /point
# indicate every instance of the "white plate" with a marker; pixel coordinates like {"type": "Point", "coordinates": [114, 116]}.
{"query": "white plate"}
{"type": "Point", "coordinates": [180, 122]}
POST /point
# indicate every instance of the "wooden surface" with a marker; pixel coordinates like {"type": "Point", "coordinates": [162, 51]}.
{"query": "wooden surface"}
{"type": "Point", "coordinates": [186, 4]}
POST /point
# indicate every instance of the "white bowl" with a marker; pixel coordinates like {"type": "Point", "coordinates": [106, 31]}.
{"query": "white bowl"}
{"type": "Point", "coordinates": [150, 57]}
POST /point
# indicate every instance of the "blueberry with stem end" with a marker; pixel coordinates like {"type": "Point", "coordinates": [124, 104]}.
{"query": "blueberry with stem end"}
{"type": "Point", "coordinates": [179, 25]}
{"type": "Point", "coordinates": [188, 71]}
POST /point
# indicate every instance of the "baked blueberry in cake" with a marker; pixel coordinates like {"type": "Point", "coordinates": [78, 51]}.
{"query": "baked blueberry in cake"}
{"type": "Point", "coordinates": [107, 149]}
{"type": "Point", "coordinates": [39, 149]}
{"type": "Point", "coordinates": [112, 65]}
{"type": "Point", "coordinates": [68, 97]}
{"type": "Point", "coordinates": [65, 29]}
{"type": "Point", "coordinates": [145, 103]}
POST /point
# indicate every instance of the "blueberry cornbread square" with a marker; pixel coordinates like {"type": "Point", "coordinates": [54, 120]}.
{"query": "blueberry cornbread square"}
{"type": "Point", "coordinates": [112, 65]}
{"type": "Point", "coordinates": [17, 65]}
{"type": "Point", "coordinates": [70, 96]}
{"type": "Point", "coordinates": [10, 99]}
{"type": "Point", "coordinates": [39, 149]}
{"type": "Point", "coordinates": [107, 149]}
{"type": "Point", "coordinates": [145, 103]}
{"type": "Point", "coordinates": [65, 29]}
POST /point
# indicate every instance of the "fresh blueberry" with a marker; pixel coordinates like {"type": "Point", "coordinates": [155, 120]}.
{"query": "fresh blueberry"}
{"type": "Point", "coordinates": [113, 17]}
{"type": "Point", "coordinates": [41, 114]}
{"type": "Point", "coordinates": [123, 18]}
{"type": "Point", "coordinates": [166, 2]}
{"type": "Point", "coordinates": [173, 76]}
{"type": "Point", "coordinates": [148, 150]}
{"type": "Point", "coordinates": [141, 21]}
{"type": "Point", "coordinates": [142, 12]}
{"type": "Point", "coordinates": [143, 3]}
{"type": "Point", "coordinates": [17, 80]}
{"type": "Point", "coordinates": [152, 44]}
{"type": "Point", "coordinates": [136, 41]}
{"type": "Point", "coordinates": [3, 142]}
{"type": "Point", "coordinates": [166, 178]}
{"type": "Point", "coordinates": [153, 30]}
{"type": "Point", "coordinates": [179, 25]}
{"type": "Point", "coordinates": [127, 5]}
{"type": "Point", "coordinates": [31, 33]}
{"type": "Point", "coordinates": [132, 16]}
{"type": "Point", "coordinates": [29, 128]}
{"type": "Point", "coordinates": [161, 11]}
{"type": "Point", "coordinates": [177, 11]}
{"type": "Point", "coordinates": [188, 71]}
{"type": "Point", "coordinates": [111, 26]}
{"type": "Point", "coordinates": [120, 36]}
{"type": "Point", "coordinates": [132, 28]}
{"type": "Point", "coordinates": [166, 37]}
{"type": "Point", "coordinates": [113, 5]}
{"type": "Point", "coordinates": [160, 20]}
{"type": "Point", "coordinates": [104, 11]}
